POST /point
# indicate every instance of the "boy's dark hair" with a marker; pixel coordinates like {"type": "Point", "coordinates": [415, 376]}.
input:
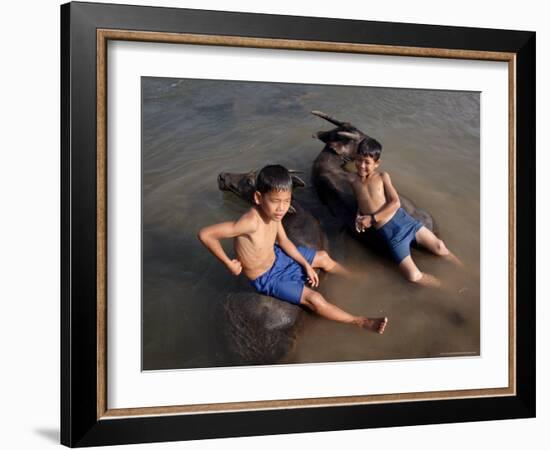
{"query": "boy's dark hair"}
{"type": "Point", "coordinates": [369, 147]}
{"type": "Point", "coordinates": [273, 178]}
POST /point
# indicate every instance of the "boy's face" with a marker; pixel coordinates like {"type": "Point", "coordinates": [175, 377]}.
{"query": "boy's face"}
{"type": "Point", "coordinates": [366, 165]}
{"type": "Point", "coordinates": [274, 204]}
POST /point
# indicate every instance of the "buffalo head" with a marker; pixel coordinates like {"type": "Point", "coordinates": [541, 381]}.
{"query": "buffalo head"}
{"type": "Point", "coordinates": [343, 139]}
{"type": "Point", "coordinates": [244, 184]}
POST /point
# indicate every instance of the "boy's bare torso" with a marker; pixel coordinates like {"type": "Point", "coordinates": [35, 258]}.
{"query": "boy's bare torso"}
{"type": "Point", "coordinates": [370, 194]}
{"type": "Point", "coordinates": [255, 251]}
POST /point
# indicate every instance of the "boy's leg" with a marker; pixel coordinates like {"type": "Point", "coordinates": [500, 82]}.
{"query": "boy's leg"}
{"type": "Point", "coordinates": [317, 303]}
{"type": "Point", "coordinates": [322, 260]}
{"type": "Point", "coordinates": [430, 241]}
{"type": "Point", "coordinates": [413, 274]}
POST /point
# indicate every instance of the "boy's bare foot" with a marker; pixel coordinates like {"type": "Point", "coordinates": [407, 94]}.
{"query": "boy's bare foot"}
{"type": "Point", "coordinates": [453, 259]}
{"type": "Point", "coordinates": [428, 280]}
{"type": "Point", "coordinates": [377, 324]}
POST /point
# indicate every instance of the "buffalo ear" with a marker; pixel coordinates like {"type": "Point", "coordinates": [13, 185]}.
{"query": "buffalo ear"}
{"type": "Point", "coordinates": [323, 136]}
{"type": "Point", "coordinates": [291, 210]}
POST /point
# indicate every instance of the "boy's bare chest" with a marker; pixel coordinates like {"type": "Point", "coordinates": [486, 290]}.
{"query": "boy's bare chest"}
{"type": "Point", "coordinates": [264, 236]}
{"type": "Point", "coordinates": [372, 189]}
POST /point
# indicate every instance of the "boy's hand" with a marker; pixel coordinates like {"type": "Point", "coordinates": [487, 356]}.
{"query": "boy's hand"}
{"type": "Point", "coordinates": [312, 276]}
{"type": "Point", "coordinates": [235, 267]}
{"type": "Point", "coordinates": [362, 223]}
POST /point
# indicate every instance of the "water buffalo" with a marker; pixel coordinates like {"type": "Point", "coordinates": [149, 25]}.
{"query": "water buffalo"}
{"type": "Point", "coordinates": [331, 179]}
{"type": "Point", "coordinates": [261, 329]}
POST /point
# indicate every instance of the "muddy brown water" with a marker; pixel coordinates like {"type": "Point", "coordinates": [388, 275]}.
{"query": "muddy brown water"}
{"type": "Point", "coordinates": [194, 129]}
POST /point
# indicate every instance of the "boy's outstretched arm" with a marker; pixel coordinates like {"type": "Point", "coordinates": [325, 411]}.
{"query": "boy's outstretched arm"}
{"type": "Point", "coordinates": [290, 249]}
{"type": "Point", "coordinates": [210, 236]}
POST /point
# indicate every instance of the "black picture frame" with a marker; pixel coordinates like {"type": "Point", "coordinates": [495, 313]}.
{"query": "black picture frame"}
{"type": "Point", "coordinates": [81, 422]}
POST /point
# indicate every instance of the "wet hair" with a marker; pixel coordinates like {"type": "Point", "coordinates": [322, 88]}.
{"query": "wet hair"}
{"type": "Point", "coordinates": [273, 178]}
{"type": "Point", "coordinates": [369, 147]}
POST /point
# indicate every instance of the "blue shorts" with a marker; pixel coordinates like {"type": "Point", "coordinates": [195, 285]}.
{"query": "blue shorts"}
{"type": "Point", "coordinates": [286, 278]}
{"type": "Point", "coordinates": [399, 233]}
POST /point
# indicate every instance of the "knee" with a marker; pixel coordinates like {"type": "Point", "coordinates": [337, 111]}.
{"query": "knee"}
{"type": "Point", "coordinates": [440, 248]}
{"type": "Point", "coordinates": [325, 261]}
{"type": "Point", "coordinates": [313, 300]}
{"type": "Point", "coordinates": [323, 256]}
{"type": "Point", "coordinates": [414, 276]}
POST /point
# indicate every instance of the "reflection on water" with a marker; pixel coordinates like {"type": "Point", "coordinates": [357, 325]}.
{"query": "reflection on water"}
{"type": "Point", "coordinates": [194, 129]}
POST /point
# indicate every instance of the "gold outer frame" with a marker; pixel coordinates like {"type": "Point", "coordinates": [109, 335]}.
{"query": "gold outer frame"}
{"type": "Point", "coordinates": [103, 36]}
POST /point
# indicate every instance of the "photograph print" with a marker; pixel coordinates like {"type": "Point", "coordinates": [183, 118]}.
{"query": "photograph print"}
{"type": "Point", "coordinates": [292, 223]}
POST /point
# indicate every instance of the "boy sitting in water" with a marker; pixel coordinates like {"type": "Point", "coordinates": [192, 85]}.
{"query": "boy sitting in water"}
{"type": "Point", "coordinates": [379, 207]}
{"type": "Point", "coordinates": [278, 269]}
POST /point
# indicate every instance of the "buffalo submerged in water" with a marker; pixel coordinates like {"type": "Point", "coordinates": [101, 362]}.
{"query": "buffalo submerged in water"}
{"type": "Point", "coordinates": [332, 184]}
{"type": "Point", "coordinates": [261, 329]}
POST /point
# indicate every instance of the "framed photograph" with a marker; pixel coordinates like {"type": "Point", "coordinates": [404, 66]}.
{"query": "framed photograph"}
{"type": "Point", "coordinates": [277, 224]}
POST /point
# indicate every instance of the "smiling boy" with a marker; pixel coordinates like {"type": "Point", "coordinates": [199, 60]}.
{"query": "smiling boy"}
{"type": "Point", "coordinates": [379, 207]}
{"type": "Point", "coordinates": [272, 263]}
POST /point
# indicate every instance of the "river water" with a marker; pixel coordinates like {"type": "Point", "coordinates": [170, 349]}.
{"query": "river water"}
{"type": "Point", "coordinates": [194, 129]}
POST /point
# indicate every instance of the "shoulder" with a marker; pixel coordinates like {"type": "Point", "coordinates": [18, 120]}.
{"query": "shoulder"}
{"type": "Point", "coordinates": [252, 216]}
{"type": "Point", "coordinates": [389, 189]}
{"type": "Point", "coordinates": [249, 221]}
